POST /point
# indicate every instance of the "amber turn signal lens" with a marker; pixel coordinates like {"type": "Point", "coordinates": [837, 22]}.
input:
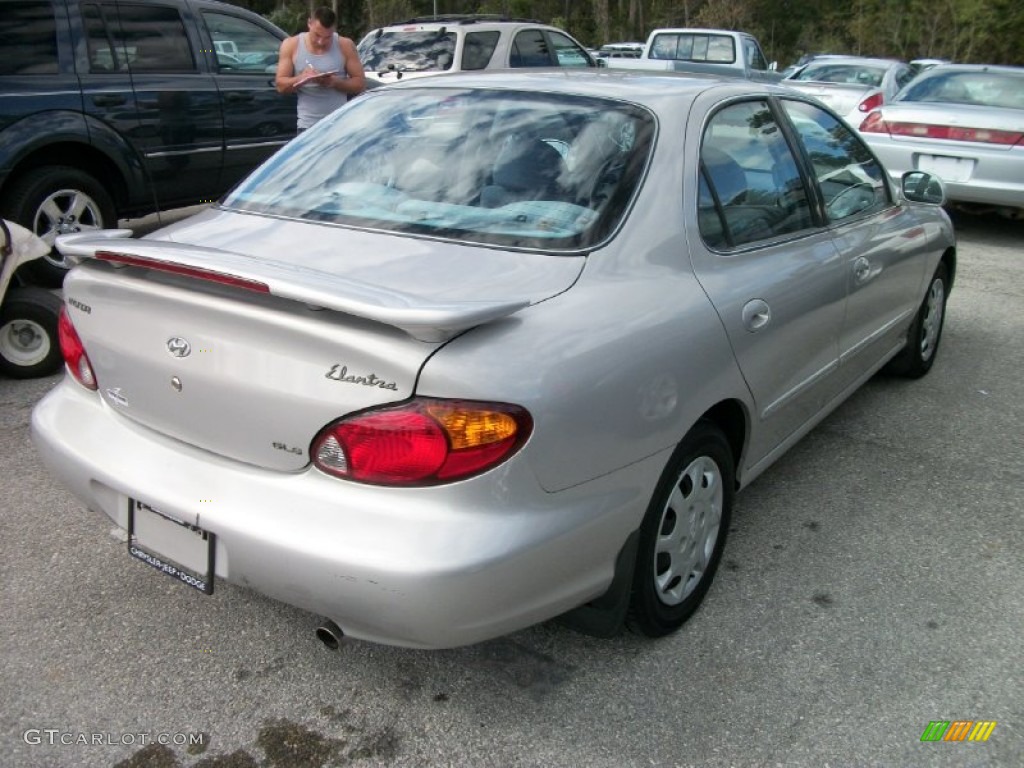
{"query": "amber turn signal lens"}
{"type": "Point", "coordinates": [426, 441]}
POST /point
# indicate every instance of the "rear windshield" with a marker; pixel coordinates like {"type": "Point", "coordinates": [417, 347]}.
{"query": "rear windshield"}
{"type": "Point", "coordinates": [854, 74]}
{"type": "Point", "coordinates": [408, 51]}
{"type": "Point", "coordinates": [987, 89]}
{"type": "Point", "coordinates": [689, 46]}
{"type": "Point", "coordinates": [519, 169]}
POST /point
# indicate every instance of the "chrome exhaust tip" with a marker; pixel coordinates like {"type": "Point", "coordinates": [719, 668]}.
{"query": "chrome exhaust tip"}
{"type": "Point", "coordinates": [330, 635]}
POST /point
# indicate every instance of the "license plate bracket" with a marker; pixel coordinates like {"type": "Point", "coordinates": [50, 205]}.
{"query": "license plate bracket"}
{"type": "Point", "coordinates": [180, 550]}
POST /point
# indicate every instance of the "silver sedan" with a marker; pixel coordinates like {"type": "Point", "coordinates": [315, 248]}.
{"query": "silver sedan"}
{"type": "Point", "coordinates": [480, 350]}
{"type": "Point", "coordinates": [963, 123]}
{"type": "Point", "coordinates": [852, 86]}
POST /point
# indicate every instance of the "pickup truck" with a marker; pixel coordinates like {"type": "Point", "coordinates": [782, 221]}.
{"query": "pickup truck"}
{"type": "Point", "coordinates": [709, 51]}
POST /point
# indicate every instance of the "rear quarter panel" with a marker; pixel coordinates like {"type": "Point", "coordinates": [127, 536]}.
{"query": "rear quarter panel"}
{"type": "Point", "coordinates": [614, 370]}
{"type": "Point", "coordinates": [621, 365]}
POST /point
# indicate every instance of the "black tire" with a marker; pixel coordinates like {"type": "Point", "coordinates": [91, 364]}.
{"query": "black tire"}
{"type": "Point", "coordinates": [917, 358]}
{"type": "Point", "coordinates": [693, 517]}
{"type": "Point", "coordinates": [29, 345]}
{"type": "Point", "coordinates": [83, 204]}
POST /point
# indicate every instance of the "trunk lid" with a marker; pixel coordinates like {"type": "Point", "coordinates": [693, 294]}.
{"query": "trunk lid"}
{"type": "Point", "coordinates": [343, 325]}
{"type": "Point", "coordinates": [841, 97]}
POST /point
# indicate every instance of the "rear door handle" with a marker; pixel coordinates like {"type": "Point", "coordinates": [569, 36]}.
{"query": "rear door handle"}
{"type": "Point", "coordinates": [861, 269]}
{"type": "Point", "coordinates": [108, 100]}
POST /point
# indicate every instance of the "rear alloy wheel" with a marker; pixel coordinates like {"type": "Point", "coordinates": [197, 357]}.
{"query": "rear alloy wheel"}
{"type": "Point", "coordinates": [925, 332]}
{"type": "Point", "coordinates": [29, 346]}
{"type": "Point", "coordinates": [683, 533]}
{"type": "Point", "coordinates": [56, 200]}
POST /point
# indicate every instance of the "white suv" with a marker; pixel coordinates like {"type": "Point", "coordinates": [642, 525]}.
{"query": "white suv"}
{"type": "Point", "coordinates": [427, 46]}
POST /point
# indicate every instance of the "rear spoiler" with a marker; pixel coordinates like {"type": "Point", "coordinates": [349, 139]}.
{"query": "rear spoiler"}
{"type": "Point", "coordinates": [422, 318]}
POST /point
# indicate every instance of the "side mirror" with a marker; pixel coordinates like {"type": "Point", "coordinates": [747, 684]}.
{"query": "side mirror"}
{"type": "Point", "coordinates": [773, 67]}
{"type": "Point", "coordinates": [921, 187]}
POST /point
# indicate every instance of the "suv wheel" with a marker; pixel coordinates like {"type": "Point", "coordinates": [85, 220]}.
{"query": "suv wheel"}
{"type": "Point", "coordinates": [55, 200]}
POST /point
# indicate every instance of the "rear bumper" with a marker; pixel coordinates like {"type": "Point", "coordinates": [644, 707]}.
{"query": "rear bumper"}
{"type": "Point", "coordinates": [995, 177]}
{"type": "Point", "coordinates": [431, 568]}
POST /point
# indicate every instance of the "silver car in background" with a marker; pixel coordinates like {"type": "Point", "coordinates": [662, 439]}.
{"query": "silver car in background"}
{"type": "Point", "coordinates": [963, 123]}
{"type": "Point", "coordinates": [432, 45]}
{"type": "Point", "coordinates": [483, 349]}
{"type": "Point", "coordinates": [851, 86]}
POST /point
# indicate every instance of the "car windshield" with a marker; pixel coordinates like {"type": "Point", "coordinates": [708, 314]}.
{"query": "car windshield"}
{"type": "Point", "coordinates": [518, 169]}
{"type": "Point", "coordinates": [983, 88]}
{"type": "Point", "coordinates": [408, 51]}
{"type": "Point", "coordinates": [842, 73]}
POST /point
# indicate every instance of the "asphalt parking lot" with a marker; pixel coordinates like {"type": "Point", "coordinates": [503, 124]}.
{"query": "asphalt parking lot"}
{"type": "Point", "coordinates": [872, 584]}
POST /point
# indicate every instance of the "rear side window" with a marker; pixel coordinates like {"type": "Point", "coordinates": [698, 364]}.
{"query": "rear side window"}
{"type": "Point", "coordinates": [105, 55]}
{"type": "Point", "coordinates": [155, 39]}
{"type": "Point", "coordinates": [719, 49]}
{"type": "Point", "coordinates": [240, 45]}
{"type": "Point", "coordinates": [567, 52]}
{"type": "Point", "coordinates": [29, 33]}
{"type": "Point", "coordinates": [904, 76]}
{"type": "Point", "coordinates": [478, 48]}
{"type": "Point", "coordinates": [750, 186]}
{"type": "Point", "coordinates": [530, 49]}
{"type": "Point", "coordinates": [412, 51]}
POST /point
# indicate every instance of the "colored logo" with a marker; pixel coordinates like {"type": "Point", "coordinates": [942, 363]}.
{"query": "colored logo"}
{"type": "Point", "coordinates": [958, 730]}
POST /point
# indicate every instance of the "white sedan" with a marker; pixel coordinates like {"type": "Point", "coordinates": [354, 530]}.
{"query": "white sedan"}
{"type": "Point", "coordinates": [963, 123]}
{"type": "Point", "coordinates": [852, 86]}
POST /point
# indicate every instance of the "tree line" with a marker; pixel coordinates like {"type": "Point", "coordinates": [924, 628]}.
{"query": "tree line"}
{"type": "Point", "coordinates": [977, 31]}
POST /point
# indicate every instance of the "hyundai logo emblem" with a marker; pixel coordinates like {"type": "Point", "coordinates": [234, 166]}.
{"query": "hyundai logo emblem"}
{"type": "Point", "coordinates": [178, 347]}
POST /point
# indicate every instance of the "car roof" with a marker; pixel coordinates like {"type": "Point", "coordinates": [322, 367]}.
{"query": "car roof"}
{"type": "Point", "coordinates": [462, 20]}
{"type": "Point", "coordinates": [947, 67]}
{"type": "Point", "coordinates": [699, 31]}
{"type": "Point", "coordinates": [869, 61]}
{"type": "Point", "coordinates": [645, 87]}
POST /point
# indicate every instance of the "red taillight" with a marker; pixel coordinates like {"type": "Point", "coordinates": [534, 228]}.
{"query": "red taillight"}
{"type": "Point", "coordinates": [874, 123]}
{"type": "Point", "coordinates": [73, 351]}
{"type": "Point", "coordinates": [424, 442]}
{"type": "Point", "coordinates": [871, 102]}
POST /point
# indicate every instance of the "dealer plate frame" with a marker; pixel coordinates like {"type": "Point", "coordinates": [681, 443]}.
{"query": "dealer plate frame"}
{"type": "Point", "coordinates": [200, 582]}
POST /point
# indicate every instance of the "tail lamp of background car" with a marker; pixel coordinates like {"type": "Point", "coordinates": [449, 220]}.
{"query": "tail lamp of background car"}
{"type": "Point", "coordinates": [423, 442]}
{"type": "Point", "coordinates": [873, 101]}
{"type": "Point", "coordinates": [73, 351]}
{"type": "Point", "coordinates": [875, 123]}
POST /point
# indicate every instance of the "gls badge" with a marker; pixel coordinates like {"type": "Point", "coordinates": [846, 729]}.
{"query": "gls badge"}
{"type": "Point", "coordinates": [178, 347]}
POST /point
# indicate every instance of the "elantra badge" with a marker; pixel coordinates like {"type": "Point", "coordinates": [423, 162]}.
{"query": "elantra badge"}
{"type": "Point", "coordinates": [178, 347]}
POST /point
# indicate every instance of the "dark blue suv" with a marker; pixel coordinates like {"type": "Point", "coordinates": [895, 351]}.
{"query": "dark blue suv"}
{"type": "Point", "coordinates": [118, 108]}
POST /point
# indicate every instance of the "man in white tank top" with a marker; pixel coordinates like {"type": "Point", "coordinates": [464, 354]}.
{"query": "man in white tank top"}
{"type": "Point", "coordinates": [321, 66]}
